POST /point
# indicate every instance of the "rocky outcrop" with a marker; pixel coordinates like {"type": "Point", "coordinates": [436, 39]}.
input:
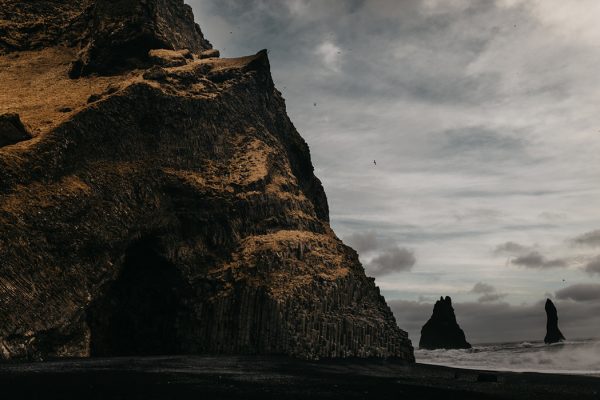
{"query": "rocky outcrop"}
{"type": "Point", "coordinates": [553, 334]}
{"type": "Point", "coordinates": [120, 33]}
{"type": "Point", "coordinates": [442, 330]}
{"type": "Point", "coordinates": [111, 35]}
{"type": "Point", "coordinates": [170, 208]}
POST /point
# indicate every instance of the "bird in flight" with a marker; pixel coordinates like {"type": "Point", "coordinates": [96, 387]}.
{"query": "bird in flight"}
{"type": "Point", "coordinates": [374, 162]}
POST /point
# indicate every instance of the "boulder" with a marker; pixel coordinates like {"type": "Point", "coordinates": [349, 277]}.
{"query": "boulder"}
{"type": "Point", "coordinates": [442, 330]}
{"type": "Point", "coordinates": [212, 53]}
{"type": "Point", "coordinates": [12, 130]}
{"type": "Point", "coordinates": [553, 334]}
{"type": "Point", "coordinates": [169, 58]}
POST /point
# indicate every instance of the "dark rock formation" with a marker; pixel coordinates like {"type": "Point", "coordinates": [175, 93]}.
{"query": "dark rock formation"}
{"type": "Point", "coordinates": [120, 33]}
{"type": "Point", "coordinates": [442, 330]}
{"type": "Point", "coordinates": [172, 209]}
{"type": "Point", "coordinates": [12, 130]}
{"type": "Point", "coordinates": [553, 334]}
{"type": "Point", "coordinates": [111, 35]}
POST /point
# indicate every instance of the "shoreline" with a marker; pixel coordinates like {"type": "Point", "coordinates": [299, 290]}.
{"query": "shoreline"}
{"type": "Point", "coordinates": [229, 377]}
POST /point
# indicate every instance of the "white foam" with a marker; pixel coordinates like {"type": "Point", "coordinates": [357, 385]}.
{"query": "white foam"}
{"type": "Point", "coordinates": [573, 357]}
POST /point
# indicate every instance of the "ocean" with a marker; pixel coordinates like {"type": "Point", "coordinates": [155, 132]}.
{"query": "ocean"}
{"type": "Point", "coordinates": [578, 357]}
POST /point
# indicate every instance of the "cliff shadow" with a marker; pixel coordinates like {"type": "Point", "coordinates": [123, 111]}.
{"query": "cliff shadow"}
{"type": "Point", "coordinates": [138, 315]}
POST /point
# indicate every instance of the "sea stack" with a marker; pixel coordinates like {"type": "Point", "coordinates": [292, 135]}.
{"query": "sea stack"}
{"type": "Point", "coordinates": [553, 334]}
{"type": "Point", "coordinates": [442, 330]}
{"type": "Point", "coordinates": [157, 199]}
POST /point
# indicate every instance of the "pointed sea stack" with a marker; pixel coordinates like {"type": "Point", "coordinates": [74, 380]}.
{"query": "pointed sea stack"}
{"type": "Point", "coordinates": [553, 334]}
{"type": "Point", "coordinates": [442, 330]}
{"type": "Point", "coordinates": [163, 202]}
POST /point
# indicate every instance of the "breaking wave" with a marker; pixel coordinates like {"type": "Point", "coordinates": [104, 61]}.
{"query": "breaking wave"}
{"type": "Point", "coordinates": [581, 357]}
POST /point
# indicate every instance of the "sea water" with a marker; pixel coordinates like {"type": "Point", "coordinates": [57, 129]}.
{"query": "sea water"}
{"type": "Point", "coordinates": [580, 357]}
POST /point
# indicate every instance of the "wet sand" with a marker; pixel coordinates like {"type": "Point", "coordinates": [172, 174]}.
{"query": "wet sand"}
{"type": "Point", "coordinates": [202, 377]}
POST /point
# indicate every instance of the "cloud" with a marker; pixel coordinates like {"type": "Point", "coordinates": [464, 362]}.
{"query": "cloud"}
{"type": "Point", "coordinates": [380, 256]}
{"type": "Point", "coordinates": [362, 242]}
{"type": "Point", "coordinates": [481, 287]}
{"type": "Point", "coordinates": [491, 297]}
{"type": "Point", "coordinates": [535, 260]}
{"type": "Point", "coordinates": [593, 266]}
{"type": "Point", "coordinates": [591, 239]}
{"type": "Point", "coordinates": [391, 260]}
{"type": "Point", "coordinates": [330, 55]}
{"type": "Point", "coordinates": [488, 293]}
{"type": "Point", "coordinates": [580, 292]}
{"type": "Point", "coordinates": [482, 144]}
{"type": "Point", "coordinates": [484, 215]}
{"type": "Point", "coordinates": [511, 249]}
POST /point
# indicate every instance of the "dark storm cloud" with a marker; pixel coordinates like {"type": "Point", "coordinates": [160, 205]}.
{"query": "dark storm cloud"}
{"type": "Point", "coordinates": [593, 266]}
{"type": "Point", "coordinates": [591, 239]}
{"type": "Point", "coordinates": [392, 260]}
{"type": "Point", "coordinates": [535, 260]}
{"type": "Point", "coordinates": [502, 322]}
{"type": "Point", "coordinates": [580, 292]}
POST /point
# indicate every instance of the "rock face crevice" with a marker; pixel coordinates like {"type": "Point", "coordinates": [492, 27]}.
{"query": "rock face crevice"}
{"type": "Point", "coordinates": [186, 180]}
{"type": "Point", "coordinates": [553, 334]}
{"type": "Point", "coordinates": [442, 330]}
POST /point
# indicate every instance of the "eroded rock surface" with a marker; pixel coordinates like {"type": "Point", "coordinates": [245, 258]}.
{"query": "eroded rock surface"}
{"type": "Point", "coordinates": [168, 208]}
{"type": "Point", "coordinates": [553, 334]}
{"type": "Point", "coordinates": [442, 330]}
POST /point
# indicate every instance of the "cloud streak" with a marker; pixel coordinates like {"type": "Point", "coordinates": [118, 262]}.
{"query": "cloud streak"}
{"type": "Point", "coordinates": [593, 266]}
{"type": "Point", "coordinates": [580, 292]}
{"type": "Point", "coordinates": [535, 260]}
{"type": "Point", "coordinates": [591, 239]}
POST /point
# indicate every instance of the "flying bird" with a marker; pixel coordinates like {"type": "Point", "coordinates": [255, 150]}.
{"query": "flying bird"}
{"type": "Point", "coordinates": [374, 162]}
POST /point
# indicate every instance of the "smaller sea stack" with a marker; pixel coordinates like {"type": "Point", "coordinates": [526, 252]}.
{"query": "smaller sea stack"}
{"type": "Point", "coordinates": [553, 334]}
{"type": "Point", "coordinates": [442, 330]}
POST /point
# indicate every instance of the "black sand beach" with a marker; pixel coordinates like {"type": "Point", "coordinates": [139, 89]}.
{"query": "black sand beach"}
{"type": "Point", "coordinates": [177, 377]}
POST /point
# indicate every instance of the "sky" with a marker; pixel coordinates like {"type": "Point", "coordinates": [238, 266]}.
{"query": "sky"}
{"type": "Point", "coordinates": [482, 117]}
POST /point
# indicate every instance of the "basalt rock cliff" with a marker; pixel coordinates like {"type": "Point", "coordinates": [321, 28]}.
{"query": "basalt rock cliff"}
{"type": "Point", "coordinates": [442, 330]}
{"type": "Point", "coordinates": [553, 334]}
{"type": "Point", "coordinates": [156, 199]}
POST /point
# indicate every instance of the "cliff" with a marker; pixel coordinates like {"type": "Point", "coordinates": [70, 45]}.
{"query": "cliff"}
{"type": "Point", "coordinates": [553, 334]}
{"type": "Point", "coordinates": [156, 201]}
{"type": "Point", "coordinates": [442, 331]}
